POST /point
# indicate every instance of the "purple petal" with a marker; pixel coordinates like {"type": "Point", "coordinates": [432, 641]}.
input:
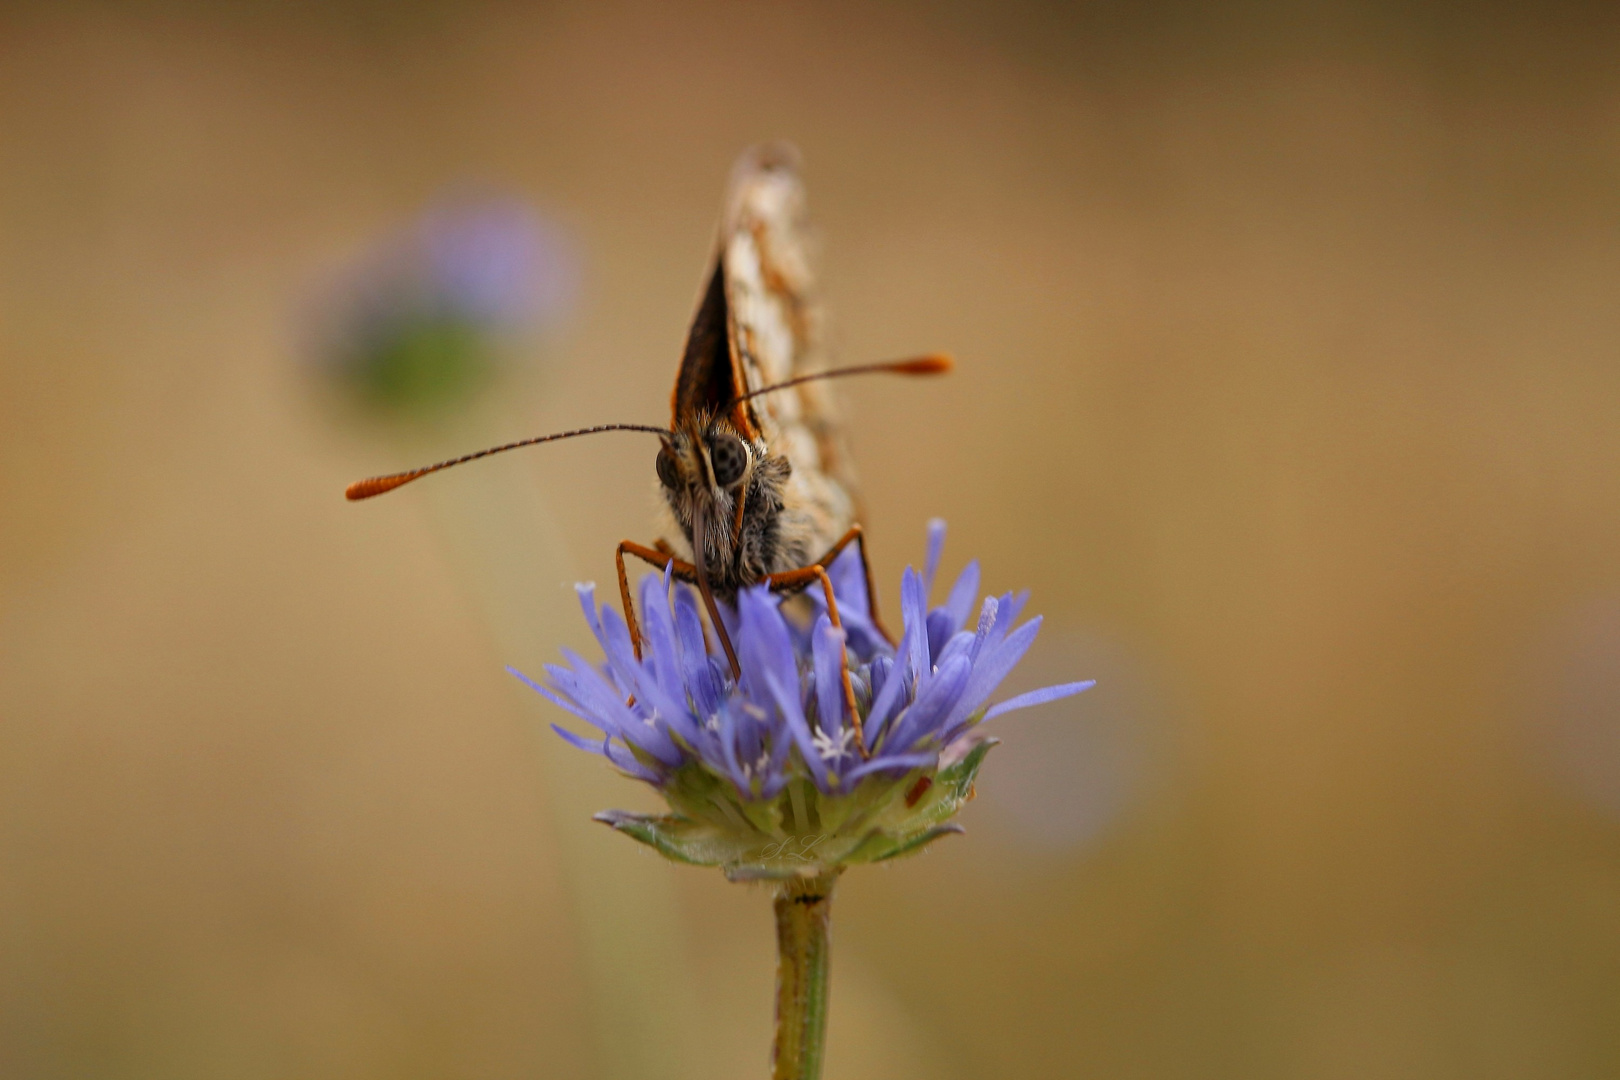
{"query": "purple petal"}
{"type": "Point", "coordinates": [773, 785]}
{"type": "Point", "coordinates": [854, 606]}
{"type": "Point", "coordinates": [727, 740]}
{"type": "Point", "coordinates": [826, 646]}
{"type": "Point", "coordinates": [939, 632]}
{"type": "Point", "coordinates": [584, 685]}
{"type": "Point", "coordinates": [889, 700]}
{"type": "Point", "coordinates": [614, 637]}
{"type": "Point", "coordinates": [586, 592]}
{"type": "Point", "coordinates": [877, 676]}
{"type": "Point", "coordinates": [987, 623]}
{"type": "Point", "coordinates": [799, 729]}
{"type": "Point", "coordinates": [590, 746]}
{"type": "Point", "coordinates": [782, 745]}
{"type": "Point", "coordinates": [748, 728]}
{"type": "Point", "coordinates": [994, 665]}
{"type": "Point", "coordinates": [641, 681]}
{"type": "Point", "coordinates": [966, 590]}
{"type": "Point", "coordinates": [770, 669]}
{"type": "Point", "coordinates": [1038, 697]}
{"type": "Point", "coordinates": [588, 688]}
{"type": "Point", "coordinates": [696, 671]}
{"type": "Point", "coordinates": [568, 706]}
{"type": "Point", "coordinates": [658, 630]}
{"type": "Point", "coordinates": [893, 762]}
{"type": "Point", "coordinates": [936, 548]}
{"type": "Point", "coordinates": [960, 644]}
{"type": "Point", "coordinates": [914, 642]}
{"type": "Point", "coordinates": [764, 645]}
{"type": "Point", "coordinates": [932, 706]}
{"type": "Point", "coordinates": [849, 584]}
{"type": "Point", "coordinates": [627, 762]}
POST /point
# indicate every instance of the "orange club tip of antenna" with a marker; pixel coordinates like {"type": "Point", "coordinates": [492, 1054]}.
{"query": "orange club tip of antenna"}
{"type": "Point", "coordinates": [376, 485]}
{"type": "Point", "coordinates": [936, 364]}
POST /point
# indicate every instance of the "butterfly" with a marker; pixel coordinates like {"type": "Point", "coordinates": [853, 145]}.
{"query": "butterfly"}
{"type": "Point", "coordinates": [755, 476]}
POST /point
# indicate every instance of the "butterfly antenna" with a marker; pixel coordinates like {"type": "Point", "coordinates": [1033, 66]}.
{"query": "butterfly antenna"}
{"type": "Point", "coordinates": [934, 364]}
{"type": "Point", "coordinates": [376, 485]}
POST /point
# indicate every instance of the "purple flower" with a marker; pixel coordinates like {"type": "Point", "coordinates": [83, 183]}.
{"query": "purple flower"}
{"type": "Point", "coordinates": [758, 767]}
{"type": "Point", "coordinates": [431, 311]}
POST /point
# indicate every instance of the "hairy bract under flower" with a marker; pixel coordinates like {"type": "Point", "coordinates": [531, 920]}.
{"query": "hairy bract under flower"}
{"type": "Point", "coordinates": [765, 775]}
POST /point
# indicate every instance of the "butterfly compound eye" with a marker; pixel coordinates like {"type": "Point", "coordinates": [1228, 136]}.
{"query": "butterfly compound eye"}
{"type": "Point", "coordinates": [669, 474]}
{"type": "Point", "coordinates": [729, 457]}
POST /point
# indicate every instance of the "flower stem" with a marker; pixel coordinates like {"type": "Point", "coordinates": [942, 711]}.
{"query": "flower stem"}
{"type": "Point", "coordinates": [804, 946]}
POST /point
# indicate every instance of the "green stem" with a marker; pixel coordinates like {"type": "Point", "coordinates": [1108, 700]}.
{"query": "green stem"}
{"type": "Point", "coordinates": [804, 947]}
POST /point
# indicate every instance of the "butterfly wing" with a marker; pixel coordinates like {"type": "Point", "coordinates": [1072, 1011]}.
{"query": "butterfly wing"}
{"type": "Point", "coordinates": [774, 329]}
{"type": "Point", "coordinates": [710, 378]}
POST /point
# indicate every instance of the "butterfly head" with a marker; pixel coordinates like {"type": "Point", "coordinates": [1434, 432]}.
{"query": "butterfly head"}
{"type": "Point", "coordinates": [724, 488]}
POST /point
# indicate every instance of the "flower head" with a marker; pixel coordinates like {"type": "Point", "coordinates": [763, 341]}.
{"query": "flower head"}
{"type": "Point", "coordinates": [765, 775]}
{"type": "Point", "coordinates": [431, 311]}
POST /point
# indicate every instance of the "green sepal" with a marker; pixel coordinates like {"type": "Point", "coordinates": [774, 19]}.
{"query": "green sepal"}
{"type": "Point", "coordinates": [960, 776]}
{"type": "Point", "coordinates": [918, 842]}
{"type": "Point", "coordinates": [880, 846]}
{"type": "Point", "coordinates": [802, 832]}
{"type": "Point", "coordinates": [677, 838]}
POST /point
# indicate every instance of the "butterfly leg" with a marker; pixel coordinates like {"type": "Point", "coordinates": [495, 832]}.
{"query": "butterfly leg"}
{"type": "Point", "coordinates": [660, 559]}
{"type": "Point", "coordinates": [858, 535]}
{"type": "Point", "coordinates": [793, 581]}
{"type": "Point", "coordinates": [685, 571]}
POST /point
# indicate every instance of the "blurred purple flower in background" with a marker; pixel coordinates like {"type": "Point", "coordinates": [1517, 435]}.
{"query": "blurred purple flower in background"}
{"type": "Point", "coordinates": [496, 261]}
{"type": "Point", "coordinates": [431, 312]}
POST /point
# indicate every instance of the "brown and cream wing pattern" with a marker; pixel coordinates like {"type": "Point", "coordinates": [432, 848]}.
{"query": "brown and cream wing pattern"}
{"type": "Point", "coordinates": [775, 331]}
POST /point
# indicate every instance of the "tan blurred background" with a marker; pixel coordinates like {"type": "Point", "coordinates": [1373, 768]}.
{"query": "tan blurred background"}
{"type": "Point", "coordinates": [1290, 364]}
